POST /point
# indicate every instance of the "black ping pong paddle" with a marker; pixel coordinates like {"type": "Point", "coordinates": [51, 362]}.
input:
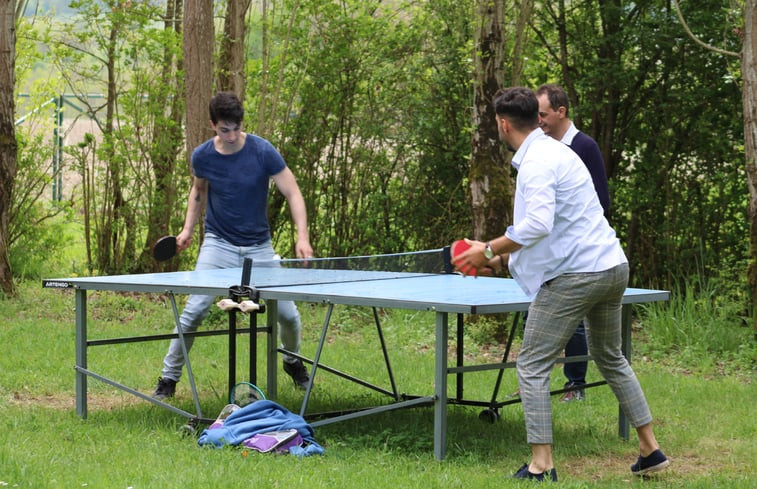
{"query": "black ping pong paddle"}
{"type": "Point", "coordinates": [164, 248]}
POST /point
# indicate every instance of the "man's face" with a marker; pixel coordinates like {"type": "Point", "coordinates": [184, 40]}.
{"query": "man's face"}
{"type": "Point", "coordinates": [228, 132]}
{"type": "Point", "coordinates": [549, 119]}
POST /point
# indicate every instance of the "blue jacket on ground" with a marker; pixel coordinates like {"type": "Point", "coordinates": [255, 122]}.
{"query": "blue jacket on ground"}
{"type": "Point", "coordinates": [261, 417]}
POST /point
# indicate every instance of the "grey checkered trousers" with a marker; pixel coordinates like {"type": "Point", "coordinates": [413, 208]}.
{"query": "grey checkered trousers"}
{"type": "Point", "coordinates": [558, 307]}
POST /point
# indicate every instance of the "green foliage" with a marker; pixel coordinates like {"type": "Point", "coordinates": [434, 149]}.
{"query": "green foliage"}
{"type": "Point", "coordinates": [369, 102]}
{"type": "Point", "coordinates": [703, 328]}
{"type": "Point", "coordinates": [128, 168]}
{"type": "Point", "coordinates": [44, 242]}
{"type": "Point", "coordinates": [666, 113]}
{"type": "Point", "coordinates": [39, 236]}
{"type": "Point", "coordinates": [373, 136]}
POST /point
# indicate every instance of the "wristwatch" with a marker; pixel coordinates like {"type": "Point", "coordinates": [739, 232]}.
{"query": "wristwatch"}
{"type": "Point", "coordinates": [488, 253]}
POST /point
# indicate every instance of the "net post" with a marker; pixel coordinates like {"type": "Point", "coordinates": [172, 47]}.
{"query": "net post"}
{"type": "Point", "coordinates": [246, 270]}
{"type": "Point", "coordinates": [447, 253]}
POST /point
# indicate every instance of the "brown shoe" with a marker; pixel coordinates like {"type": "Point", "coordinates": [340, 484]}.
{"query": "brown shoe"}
{"type": "Point", "coordinates": [576, 395]}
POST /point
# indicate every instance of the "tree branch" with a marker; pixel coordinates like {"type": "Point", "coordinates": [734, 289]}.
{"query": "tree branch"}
{"type": "Point", "coordinates": [695, 38]}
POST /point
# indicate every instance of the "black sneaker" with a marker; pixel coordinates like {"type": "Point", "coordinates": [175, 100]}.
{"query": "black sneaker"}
{"type": "Point", "coordinates": [547, 475]}
{"type": "Point", "coordinates": [298, 373]}
{"type": "Point", "coordinates": [165, 388]}
{"type": "Point", "coordinates": [654, 462]}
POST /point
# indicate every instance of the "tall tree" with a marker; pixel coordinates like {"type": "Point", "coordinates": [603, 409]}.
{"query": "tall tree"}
{"type": "Point", "coordinates": [490, 185]}
{"type": "Point", "coordinates": [199, 39]}
{"type": "Point", "coordinates": [166, 141]}
{"type": "Point", "coordinates": [10, 10]}
{"type": "Point", "coordinates": [231, 74]}
{"type": "Point", "coordinates": [749, 100]}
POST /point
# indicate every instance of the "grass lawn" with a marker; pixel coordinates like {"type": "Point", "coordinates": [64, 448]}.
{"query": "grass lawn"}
{"type": "Point", "coordinates": [705, 422]}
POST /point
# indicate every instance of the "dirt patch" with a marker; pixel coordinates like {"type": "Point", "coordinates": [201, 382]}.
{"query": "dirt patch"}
{"type": "Point", "coordinates": [602, 468]}
{"type": "Point", "coordinates": [68, 401]}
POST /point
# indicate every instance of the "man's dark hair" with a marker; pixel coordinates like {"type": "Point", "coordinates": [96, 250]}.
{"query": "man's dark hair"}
{"type": "Point", "coordinates": [519, 106]}
{"type": "Point", "coordinates": [225, 106]}
{"type": "Point", "coordinates": [556, 96]}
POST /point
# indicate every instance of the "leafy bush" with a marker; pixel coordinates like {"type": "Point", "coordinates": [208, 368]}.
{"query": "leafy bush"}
{"type": "Point", "coordinates": [702, 328]}
{"type": "Point", "coordinates": [40, 226]}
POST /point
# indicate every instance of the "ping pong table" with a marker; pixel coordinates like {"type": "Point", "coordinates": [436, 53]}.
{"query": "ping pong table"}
{"type": "Point", "coordinates": [444, 294]}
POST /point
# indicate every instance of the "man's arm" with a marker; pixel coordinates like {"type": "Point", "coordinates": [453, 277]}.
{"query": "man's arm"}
{"type": "Point", "coordinates": [198, 196]}
{"type": "Point", "coordinates": [287, 185]}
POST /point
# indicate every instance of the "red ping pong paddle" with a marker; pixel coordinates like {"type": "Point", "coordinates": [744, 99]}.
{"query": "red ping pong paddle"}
{"type": "Point", "coordinates": [457, 249]}
{"type": "Point", "coordinates": [164, 248]}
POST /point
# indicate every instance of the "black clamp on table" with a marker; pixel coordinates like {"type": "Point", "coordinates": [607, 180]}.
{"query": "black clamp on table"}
{"type": "Point", "coordinates": [244, 298]}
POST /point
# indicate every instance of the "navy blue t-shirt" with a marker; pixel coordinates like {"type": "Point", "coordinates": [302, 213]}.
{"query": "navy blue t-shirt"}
{"type": "Point", "coordinates": [237, 205]}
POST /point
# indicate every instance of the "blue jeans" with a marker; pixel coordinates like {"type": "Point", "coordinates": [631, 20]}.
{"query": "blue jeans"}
{"type": "Point", "coordinates": [218, 253]}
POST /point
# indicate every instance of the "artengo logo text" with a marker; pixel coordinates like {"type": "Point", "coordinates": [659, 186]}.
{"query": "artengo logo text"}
{"type": "Point", "coordinates": [56, 284]}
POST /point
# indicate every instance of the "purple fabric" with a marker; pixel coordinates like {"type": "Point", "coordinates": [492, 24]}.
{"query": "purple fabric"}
{"type": "Point", "coordinates": [279, 441]}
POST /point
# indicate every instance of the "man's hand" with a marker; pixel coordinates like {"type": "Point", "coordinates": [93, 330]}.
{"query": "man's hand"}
{"type": "Point", "coordinates": [183, 240]}
{"type": "Point", "coordinates": [303, 249]}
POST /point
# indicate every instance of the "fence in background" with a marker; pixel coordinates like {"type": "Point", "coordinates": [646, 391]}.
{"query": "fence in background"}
{"type": "Point", "coordinates": [59, 102]}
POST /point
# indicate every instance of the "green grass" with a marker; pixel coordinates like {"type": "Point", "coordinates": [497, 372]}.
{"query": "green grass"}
{"type": "Point", "coordinates": [704, 417]}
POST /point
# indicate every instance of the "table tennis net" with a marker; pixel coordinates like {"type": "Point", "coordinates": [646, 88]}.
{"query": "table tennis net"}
{"type": "Point", "coordinates": [425, 261]}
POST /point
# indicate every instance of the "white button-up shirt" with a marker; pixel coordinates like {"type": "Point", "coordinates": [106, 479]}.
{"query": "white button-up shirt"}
{"type": "Point", "coordinates": [567, 138]}
{"type": "Point", "coordinates": [557, 217]}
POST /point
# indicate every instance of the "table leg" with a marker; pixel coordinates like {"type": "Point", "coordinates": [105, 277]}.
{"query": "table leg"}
{"type": "Point", "coordinates": [316, 359]}
{"type": "Point", "coordinates": [187, 364]}
{"type": "Point", "coordinates": [233, 351]}
{"type": "Point", "coordinates": [81, 353]}
{"type": "Point", "coordinates": [271, 309]}
{"type": "Point", "coordinates": [460, 357]}
{"type": "Point", "coordinates": [440, 386]}
{"type": "Point", "coordinates": [623, 426]}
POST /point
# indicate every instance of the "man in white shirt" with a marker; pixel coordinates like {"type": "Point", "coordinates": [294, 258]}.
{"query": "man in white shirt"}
{"type": "Point", "coordinates": [566, 257]}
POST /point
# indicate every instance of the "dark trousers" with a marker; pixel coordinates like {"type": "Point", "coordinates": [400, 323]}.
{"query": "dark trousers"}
{"type": "Point", "coordinates": [576, 372]}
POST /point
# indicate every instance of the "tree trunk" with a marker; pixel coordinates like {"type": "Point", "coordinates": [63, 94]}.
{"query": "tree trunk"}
{"type": "Point", "coordinates": [490, 183]}
{"type": "Point", "coordinates": [749, 101]}
{"type": "Point", "coordinates": [231, 77]}
{"type": "Point", "coordinates": [524, 17]}
{"type": "Point", "coordinates": [260, 127]}
{"type": "Point", "coordinates": [167, 140]}
{"type": "Point", "coordinates": [8, 147]}
{"type": "Point", "coordinates": [198, 64]}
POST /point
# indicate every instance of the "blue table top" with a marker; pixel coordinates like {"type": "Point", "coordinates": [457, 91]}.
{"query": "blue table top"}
{"type": "Point", "coordinates": [408, 290]}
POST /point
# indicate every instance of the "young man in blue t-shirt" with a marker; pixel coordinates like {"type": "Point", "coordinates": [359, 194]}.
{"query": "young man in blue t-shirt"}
{"type": "Point", "coordinates": [554, 121]}
{"type": "Point", "coordinates": [231, 178]}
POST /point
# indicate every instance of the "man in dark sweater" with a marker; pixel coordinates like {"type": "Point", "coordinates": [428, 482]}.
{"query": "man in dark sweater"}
{"type": "Point", "coordinates": [554, 121]}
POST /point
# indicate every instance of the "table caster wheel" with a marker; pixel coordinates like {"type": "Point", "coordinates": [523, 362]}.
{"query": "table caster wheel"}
{"type": "Point", "coordinates": [489, 415]}
{"type": "Point", "coordinates": [189, 429]}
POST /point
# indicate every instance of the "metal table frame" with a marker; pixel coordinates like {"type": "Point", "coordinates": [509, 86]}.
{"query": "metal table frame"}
{"type": "Point", "coordinates": [360, 293]}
